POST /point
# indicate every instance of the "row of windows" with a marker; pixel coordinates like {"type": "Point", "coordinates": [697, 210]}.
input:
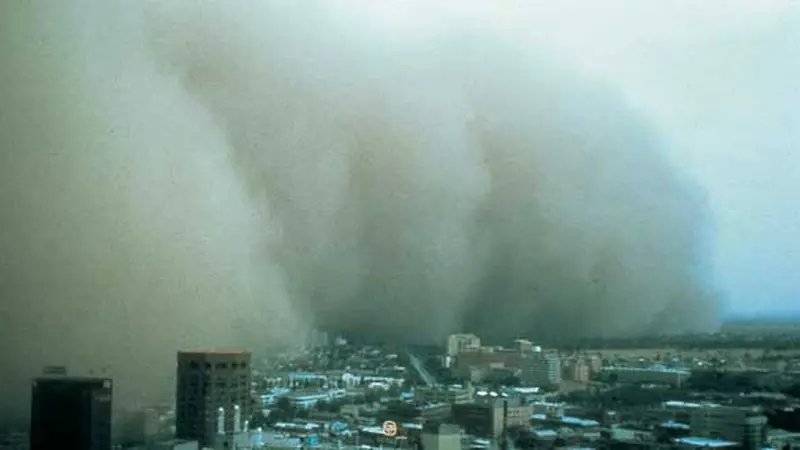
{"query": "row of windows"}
{"type": "Point", "coordinates": [219, 366]}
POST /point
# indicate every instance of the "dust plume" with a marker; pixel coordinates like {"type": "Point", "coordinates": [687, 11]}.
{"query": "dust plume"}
{"type": "Point", "coordinates": [232, 173]}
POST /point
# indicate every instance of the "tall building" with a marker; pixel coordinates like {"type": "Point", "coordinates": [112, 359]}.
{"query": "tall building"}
{"type": "Point", "coordinates": [577, 370]}
{"type": "Point", "coordinates": [458, 343]}
{"type": "Point", "coordinates": [484, 417]}
{"type": "Point", "coordinates": [443, 436]}
{"type": "Point", "coordinates": [542, 368]}
{"type": "Point", "coordinates": [71, 412]}
{"type": "Point", "coordinates": [524, 346]}
{"type": "Point", "coordinates": [746, 426]}
{"type": "Point", "coordinates": [212, 385]}
{"type": "Point", "coordinates": [318, 339]}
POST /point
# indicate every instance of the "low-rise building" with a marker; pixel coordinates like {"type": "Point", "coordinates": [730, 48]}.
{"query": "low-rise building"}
{"type": "Point", "coordinates": [454, 394]}
{"type": "Point", "coordinates": [309, 399]}
{"type": "Point", "coordinates": [441, 437]}
{"type": "Point", "coordinates": [484, 416]}
{"type": "Point", "coordinates": [746, 426]}
{"type": "Point", "coordinates": [416, 412]}
{"type": "Point", "coordinates": [654, 374]}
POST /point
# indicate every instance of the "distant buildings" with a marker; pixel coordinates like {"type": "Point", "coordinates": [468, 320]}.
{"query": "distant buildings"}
{"type": "Point", "coordinates": [578, 370]}
{"type": "Point", "coordinates": [459, 343]}
{"type": "Point", "coordinates": [483, 359]}
{"type": "Point", "coordinates": [306, 400]}
{"type": "Point", "coordinates": [417, 412]}
{"type": "Point", "coordinates": [541, 368]}
{"type": "Point", "coordinates": [318, 339]}
{"type": "Point", "coordinates": [657, 374]}
{"type": "Point", "coordinates": [535, 365]}
{"type": "Point", "coordinates": [444, 394]}
{"type": "Point", "coordinates": [213, 392]}
{"type": "Point", "coordinates": [71, 412]}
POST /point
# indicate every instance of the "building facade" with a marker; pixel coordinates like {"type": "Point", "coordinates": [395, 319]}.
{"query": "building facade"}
{"type": "Point", "coordinates": [458, 343]}
{"type": "Point", "coordinates": [577, 370]}
{"type": "Point", "coordinates": [444, 394]}
{"type": "Point", "coordinates": [484, 417]}
{"type": "Point", "coordinates": [416, 412]}
{"type": "Point", "coordinates": [541, 368]}
{"type": "Point", "coordinates": [213, 392]}
{"type": "Point", "coordinates": [746, 426]}
{"type": "Point", "coordinates": [654, 374]}
{"type": "Point", "coordinates": [71, 412]}
{"type": "Point", "coordinates": [441, 437]}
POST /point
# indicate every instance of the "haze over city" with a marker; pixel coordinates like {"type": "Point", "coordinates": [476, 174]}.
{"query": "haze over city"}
{"type": "Point", "coordinates": [236, 173]}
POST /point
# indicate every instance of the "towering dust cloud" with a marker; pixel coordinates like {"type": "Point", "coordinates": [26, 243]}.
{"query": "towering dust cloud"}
{"type": "Point", "coordinates": [231, 173]}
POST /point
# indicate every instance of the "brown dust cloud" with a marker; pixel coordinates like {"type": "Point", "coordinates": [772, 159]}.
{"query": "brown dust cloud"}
{"type": "Point", "coordinates": [216, 174]}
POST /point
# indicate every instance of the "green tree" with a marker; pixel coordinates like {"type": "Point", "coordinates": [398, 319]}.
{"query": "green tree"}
{"type": "Point", "coordinates": [394, 391]}
{"type": "Point", "coordinates": [258, 419]}
{"type": "Point", "coordinates": [372, 396]}
{"type": "Point", "coordinates": [285, 409]}
{"type": "Point", "coordinates": [335, 406]}
{"type": "Point", "coordinates": [283, 404]}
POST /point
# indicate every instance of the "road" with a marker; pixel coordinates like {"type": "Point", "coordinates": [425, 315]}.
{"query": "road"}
{"type": "Point", "coordinates": [419, 366]}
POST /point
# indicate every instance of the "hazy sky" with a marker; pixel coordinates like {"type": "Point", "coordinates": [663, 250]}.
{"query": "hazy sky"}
{"type": "Point", "coordinates": [720, 79]}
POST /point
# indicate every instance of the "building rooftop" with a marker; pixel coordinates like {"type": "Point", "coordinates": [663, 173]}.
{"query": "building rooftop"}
{"type": "Point", "coordinates": [680, 404]}
{"type": "Point", "coordinates": [705, 442]}
{"type": "Point", "coordinates": [654, 368]}
{"type": "Point", "coordinates": [71, 378]}
{"type": "Point", "coordinates": [675, 425]}
{"type": "Point", "coordinates": [567, 420]}
{"type": "Point", "coordinates": [214, 352]}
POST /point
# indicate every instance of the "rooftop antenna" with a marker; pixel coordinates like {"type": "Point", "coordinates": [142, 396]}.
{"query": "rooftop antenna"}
{"type": "Point", "coordinates": [237, 419]}
{"type": "Point", "coordinates": [504, 435]}
{"type": "Point", "coordinates": [221, 420]}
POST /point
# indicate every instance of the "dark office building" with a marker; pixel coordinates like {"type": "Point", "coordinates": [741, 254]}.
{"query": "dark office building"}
{"type": "Point", "coordinates": [71, 412]}
{"type": "Point", "coordinates": [208, 381]}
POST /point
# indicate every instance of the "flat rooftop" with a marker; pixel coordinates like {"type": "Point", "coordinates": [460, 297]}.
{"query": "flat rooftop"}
{"type": "Point", "coordinates": [214, 352]}
{"type": "Point", "coordinates": [72, 379]}
{"type": "Point", "coordinates": [705, 442]}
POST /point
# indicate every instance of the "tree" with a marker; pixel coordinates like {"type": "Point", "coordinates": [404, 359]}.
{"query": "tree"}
{"type": "Point", "coordinates": [371, 396]}
{"type": "Point", "coordinates": [793, 390]}
{"type": "Point", "coordinates": [285, 409]}
{"type": "Point", "coordinates": [394, 391]}
{"type": "Point", "coordinates": [283, 404]}
{"type": "Point", "coordinates": [335, 406]}
{"type": "Point", "coordinates": [258, 419]}
{"type": "Point", "coordinates": [511, 381]}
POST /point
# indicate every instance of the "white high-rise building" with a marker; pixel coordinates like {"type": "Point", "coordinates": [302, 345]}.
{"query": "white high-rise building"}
{"type": "Point", "coordinates": [458, 343]}
{"type": "Point", "coordinates": [541, 368]}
